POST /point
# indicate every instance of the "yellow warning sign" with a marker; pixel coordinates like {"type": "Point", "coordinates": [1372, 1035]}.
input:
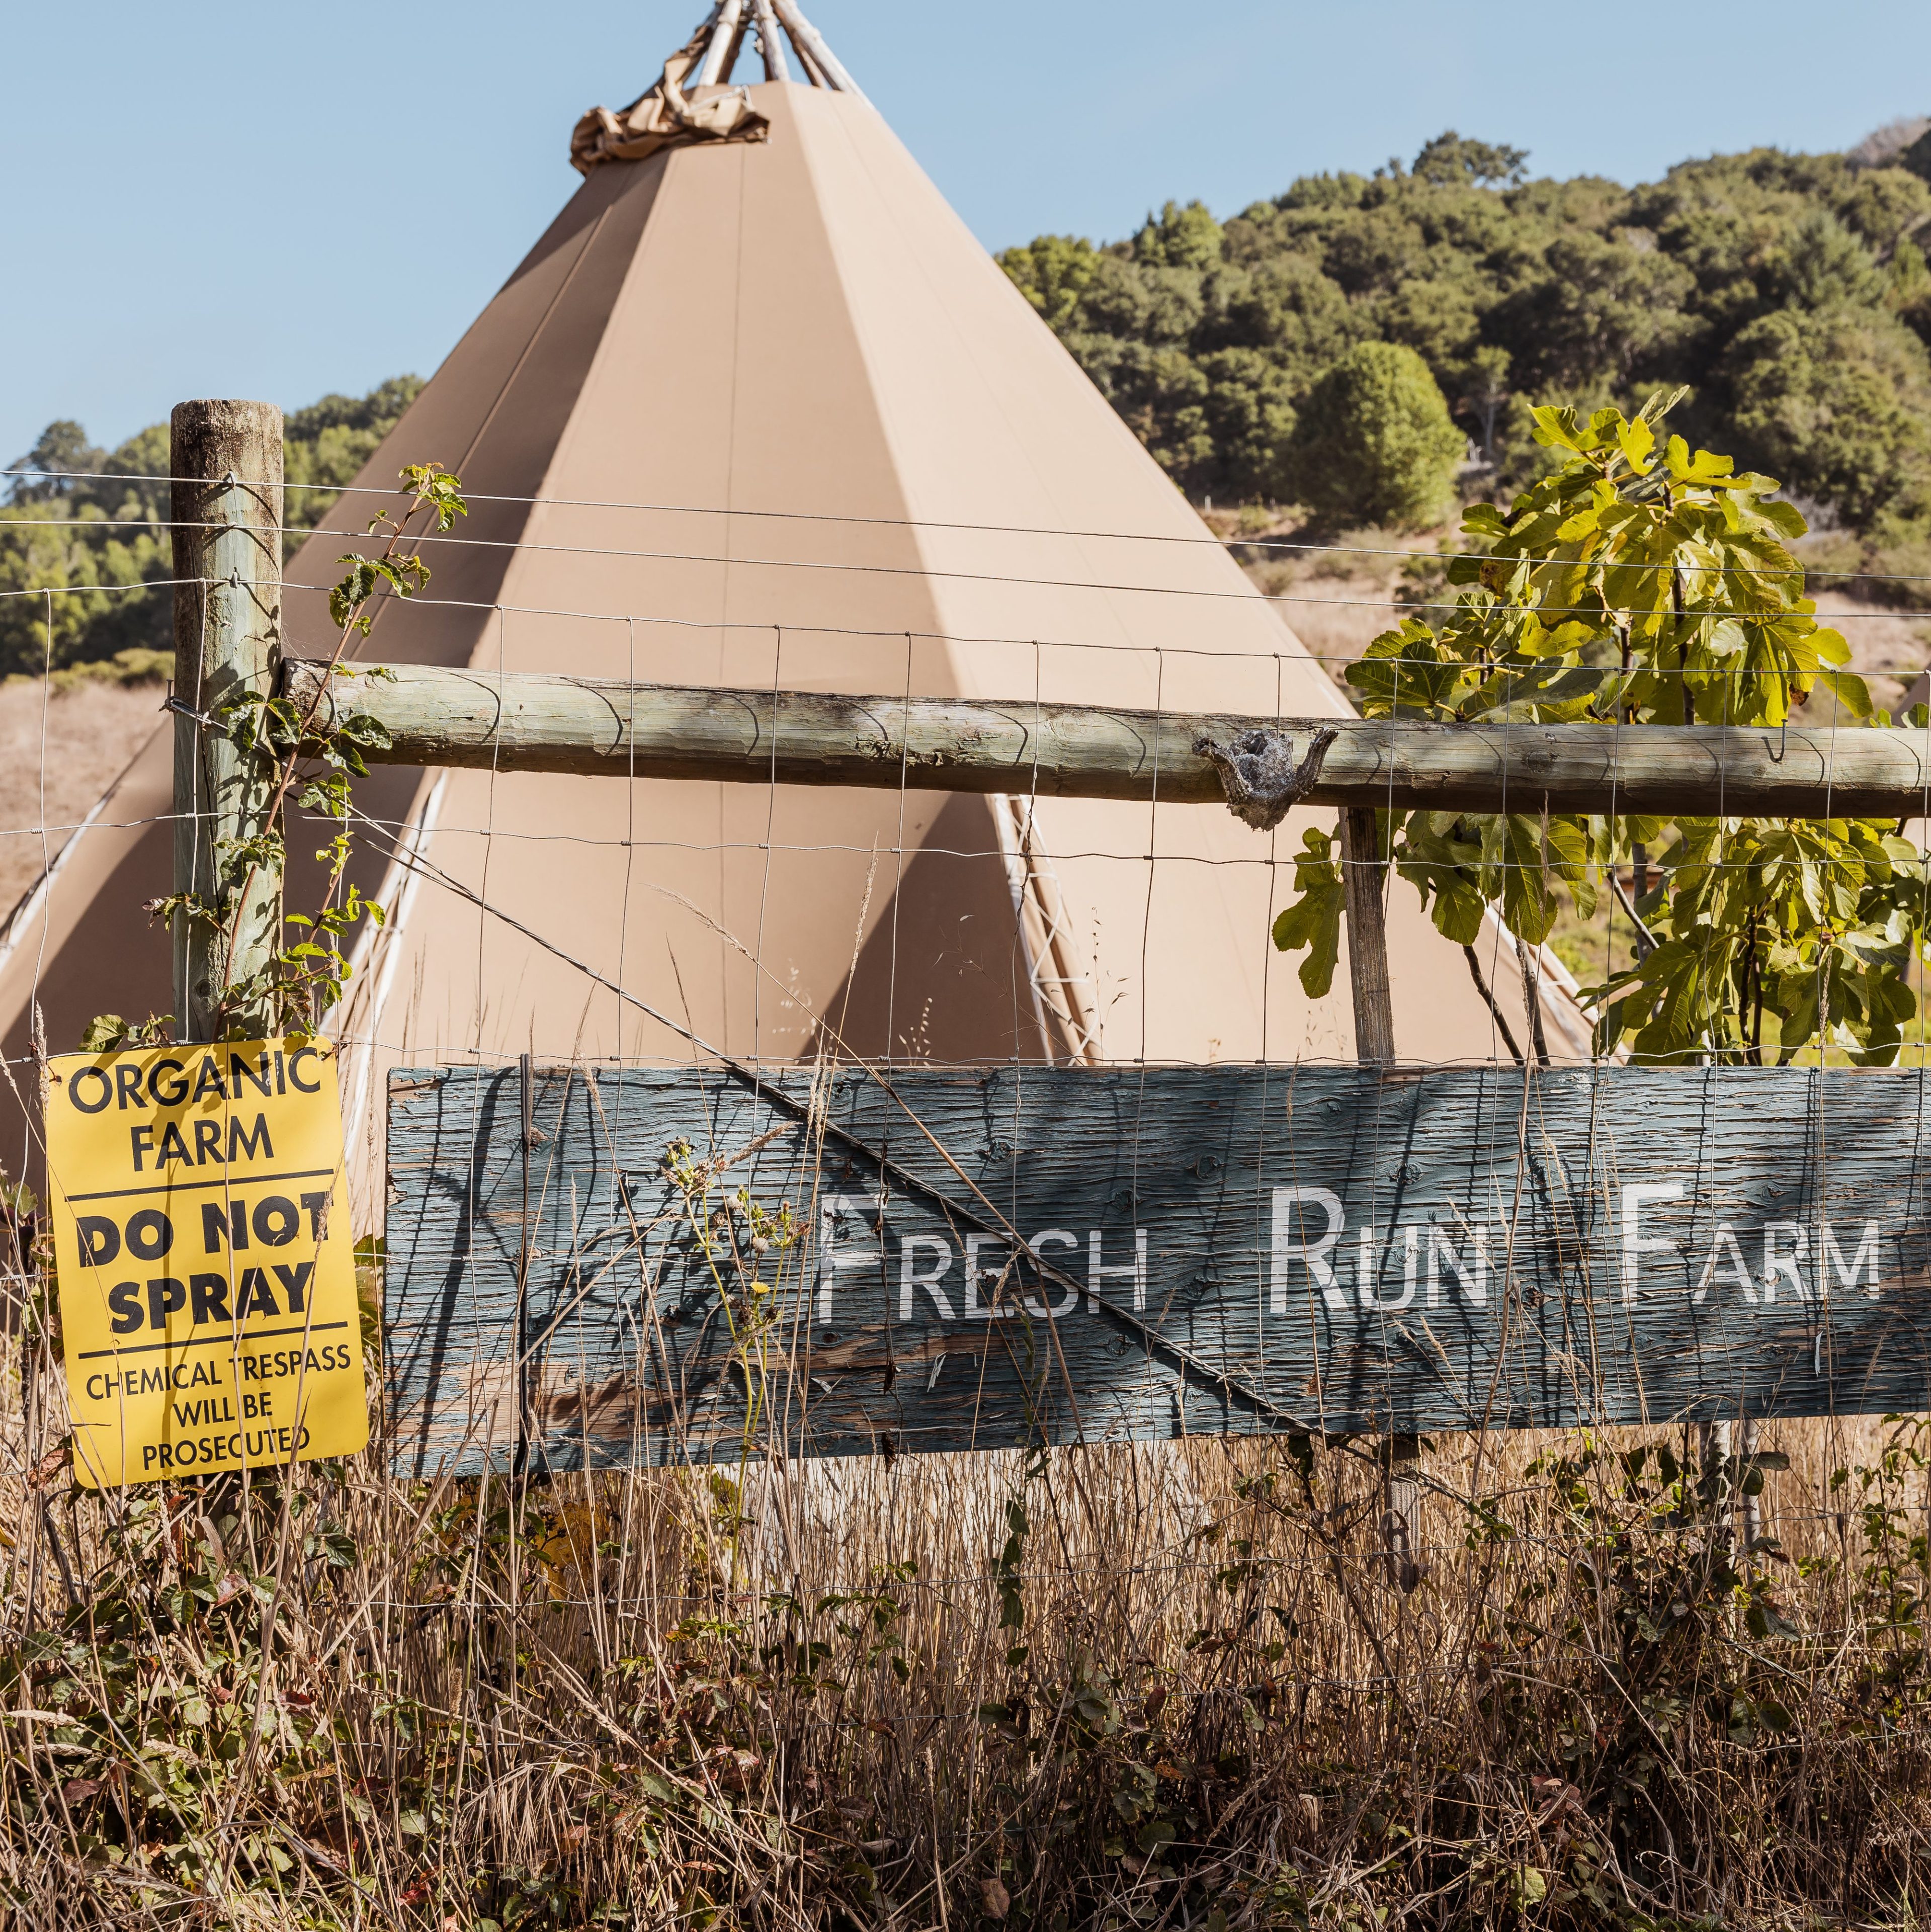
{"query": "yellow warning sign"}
{"type": "Point", "coordinates": [207, 1267]}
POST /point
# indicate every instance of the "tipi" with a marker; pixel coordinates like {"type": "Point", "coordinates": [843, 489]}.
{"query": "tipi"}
{"type": "Point", "coordinates": [759, 410]}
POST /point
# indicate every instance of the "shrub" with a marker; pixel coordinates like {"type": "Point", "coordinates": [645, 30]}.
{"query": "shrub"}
{"type": "Point", "coordinates": [1375, 443]}
{"type": "Point", "coordinates": [1835, 402]}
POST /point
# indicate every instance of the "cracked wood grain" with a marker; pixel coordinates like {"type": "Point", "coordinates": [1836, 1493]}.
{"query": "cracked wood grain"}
{"type": "Point", "coordinates": [1215, 1250]}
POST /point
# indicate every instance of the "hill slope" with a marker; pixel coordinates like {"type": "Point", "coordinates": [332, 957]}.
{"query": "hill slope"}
{"type": "Point", "coordinates": [1789, 292]}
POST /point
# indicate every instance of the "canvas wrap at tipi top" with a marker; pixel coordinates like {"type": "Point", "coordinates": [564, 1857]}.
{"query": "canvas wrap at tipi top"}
{"type": "Point", "coordinates": [762, 413]}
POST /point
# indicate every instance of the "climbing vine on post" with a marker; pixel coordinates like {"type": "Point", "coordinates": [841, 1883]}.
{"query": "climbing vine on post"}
{"type": "Point", "coordinates": [297, 985]}
{"type": "Point", "coordinates": [1635, 585]}
{"type": "Point", "coordinates": [308, 977]}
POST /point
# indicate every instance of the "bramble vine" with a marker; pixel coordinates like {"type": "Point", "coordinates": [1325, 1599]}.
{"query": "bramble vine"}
{"type": "Point", "coordinates": [300, 984]}
{"type": "Point", "coordinates": [732, 1238]}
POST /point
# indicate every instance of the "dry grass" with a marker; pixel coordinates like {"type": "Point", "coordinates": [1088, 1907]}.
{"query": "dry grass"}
{"type": "Point", "coordinates": [1336, 601]}
{"type": "Point", "coordinates": [1170, 1686]}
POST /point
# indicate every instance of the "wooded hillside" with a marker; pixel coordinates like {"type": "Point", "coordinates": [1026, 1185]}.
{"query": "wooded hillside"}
{"type": "Point", "coordinates": [1790, 292]}
{"type": "Point", "coordinates": [98, 520]}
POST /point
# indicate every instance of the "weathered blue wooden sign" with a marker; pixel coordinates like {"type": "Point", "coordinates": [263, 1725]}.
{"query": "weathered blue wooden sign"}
{"type": "Point", "coordinates": [588, 1265]}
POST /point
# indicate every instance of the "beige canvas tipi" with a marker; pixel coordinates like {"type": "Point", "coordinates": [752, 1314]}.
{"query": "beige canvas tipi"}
{"type": "Point", "coordinates": [758, 410]}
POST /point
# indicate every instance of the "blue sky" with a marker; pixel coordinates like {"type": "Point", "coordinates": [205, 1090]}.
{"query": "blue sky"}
{"type": "Point", "coordinates": [273, 200]}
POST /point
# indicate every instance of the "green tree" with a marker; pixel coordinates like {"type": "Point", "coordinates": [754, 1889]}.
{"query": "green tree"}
{"type": "Point", "coordinates": [1484, 393]}
{"type": "Point", "coordinates": [1135, 303]}
{"type": "Point", "coordinates": [326, 444]}
{"type": "Point", "coordinates": [1886, 206]}
{"type": "Point", "coordinates": [1908, 289]}
{"type": "Point", "coordinates": [1838, 401]}
{"type": "Point", "coordinates": [1180, 237]}
{"type": "Point", "coordinates": [1376, 444]}
{"type": "Point", "coordinates": [95, 532]}
{"type": "Point", "coordinates": [1248, 413]}
{"type": "Point", "coordinates": [1632, 585]}
{"type": "Point", "coordinates": [1603, 311]}
{"type": "Point", "coordinates": [60, 453]}
{"type": "Point", "coordinates": [96, 575]}
{"type": "Point", "coordinates": [1287, 310]}
{"type": "Point", "coordinates": [1448, 158]}
{"type": "Point", "coordinates": [1052, 271]}
{"type": "Point", "coordinates": [1438, 320]}
{"type": "Point", "coordinates": [1591, 293]}
{"type": "Point", "coordinates": [1823, 265]}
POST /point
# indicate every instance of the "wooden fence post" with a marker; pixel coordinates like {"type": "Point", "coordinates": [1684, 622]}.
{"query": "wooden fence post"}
{"type": "Point", "coordinates": [1401, 1499]}
{"type": "Point", "coordinates": [1752, 1510]}
{"type": "Point", "coordinates": [1362, 869]}
{"type": "Point", "coordinates": [226, 458]}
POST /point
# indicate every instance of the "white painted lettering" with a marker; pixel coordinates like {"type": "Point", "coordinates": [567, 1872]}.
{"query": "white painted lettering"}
{"type": "Point", "coordinates": [1868, 1254]}
{"type": "Point", "coordinates": [1474, 1285]}
{"type": "Point", "coordinates": [1368, 1280]}
{"type": "Point", "coordinates": [1286, 1248]}
{"type": "Point", "coordinates": [832, 1257]}
{"type": "Point", "coordinates": [1790, 1266]}
{"type": "Point", "coordinates": [909, 1277]}
{"type": "Point", "coordinates": [1724, 1250]}
{"type": "Point", "coordinates": [1060, 1238]}
{"type": "Point", "coordinates": [976, 1310]}
{"type": "Point", "coordinates": [1097, 1267]}
{"type": "Point", "coordinates": [1635, 1243]}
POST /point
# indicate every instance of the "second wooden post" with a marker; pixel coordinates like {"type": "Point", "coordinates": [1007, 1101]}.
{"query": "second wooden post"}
{"type": "Point", "coordinates": [1363, 869]}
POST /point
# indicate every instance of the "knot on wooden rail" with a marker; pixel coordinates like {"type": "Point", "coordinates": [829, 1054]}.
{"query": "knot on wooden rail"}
{"type": "Point", "coordinates": [1258, 773]}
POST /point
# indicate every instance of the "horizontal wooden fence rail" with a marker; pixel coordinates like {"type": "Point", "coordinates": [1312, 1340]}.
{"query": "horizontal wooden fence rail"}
{"type": "Point", "coordinates": [544, 722]}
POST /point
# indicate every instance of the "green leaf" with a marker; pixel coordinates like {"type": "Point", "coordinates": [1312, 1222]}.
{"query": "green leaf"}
{"type": "Point", "coordinates": [1313, 921]}
{"type": "Point", "coordinates": [1636, 440]}
{"type": "Point", "coordinates": [1661, 402]}
{"type": "Point", "coordinates": [1673, 606]}
{"type": "Point", "coordinates": [1851, 692]}
{"type": "Point", "coordinates": [1709, 470]}
{"type": "Point", "coordinates": [1441, 865]}
{"type": "Point", "coordinates": [1527, 1887]}
{"type": "Point", "coordinates": [1529, 905]}
{"type": "Point", "coordinates": [1557, 428]}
